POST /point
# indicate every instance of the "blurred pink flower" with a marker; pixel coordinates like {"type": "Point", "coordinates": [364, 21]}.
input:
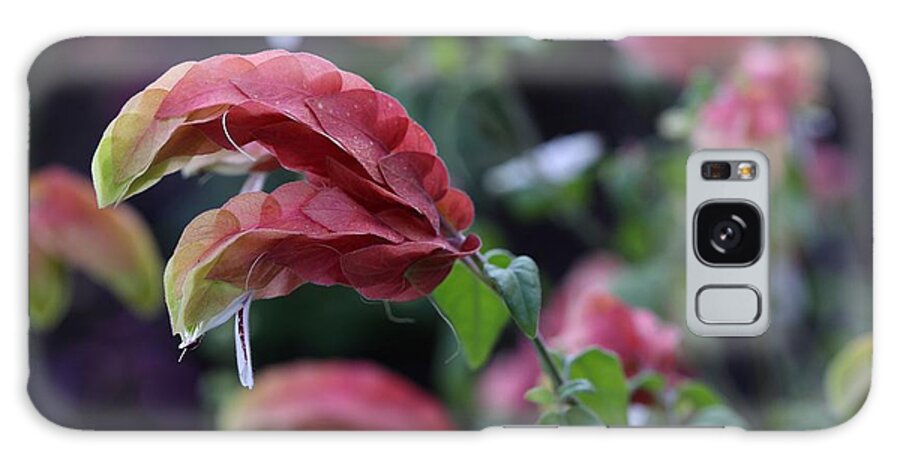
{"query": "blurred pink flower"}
{"type": "Point", "coordinates": [745, 116]}
{"type": "Point", "coordinates": [502, 386]}
{"type": "Point", "coordinates": [593, 273]}
{"type": "Point", "coordinates": [675, 58]}
{"type": "Point", "coordinates": [581, 314]}
{"type": "Point", "coordinates": [752, 108]}
{"type": "Point", "coordinates": [741, 117]}
{"type": "Point", "coordinates": [793, 69]}
{"type": "Point", "coordinates": [334, 395]}
{"type": "Point", "coordinates": [641, 340]}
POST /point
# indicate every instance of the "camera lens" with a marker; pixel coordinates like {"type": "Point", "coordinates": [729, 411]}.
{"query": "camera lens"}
{"type": "Point", "coordinates": [716, 170]}
{"type": "Point", "coordinates": [728, 233]}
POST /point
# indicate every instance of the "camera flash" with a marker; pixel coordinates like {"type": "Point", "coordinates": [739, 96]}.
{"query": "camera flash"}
{"type": "Point", "coordinates": [746, 170]}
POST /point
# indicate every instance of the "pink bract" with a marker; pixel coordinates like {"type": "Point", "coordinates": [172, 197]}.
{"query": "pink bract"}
{"type": "Point", "coordinates": [335, 395]}
{"type": "Point", "coordinates": [375, 210]}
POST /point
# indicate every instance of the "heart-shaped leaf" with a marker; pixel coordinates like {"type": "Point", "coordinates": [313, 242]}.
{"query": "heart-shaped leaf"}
{"type": "Point", "coordinates": [520, 285]}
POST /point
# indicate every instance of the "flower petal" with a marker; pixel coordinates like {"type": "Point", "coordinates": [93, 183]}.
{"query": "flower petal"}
{"type": "Point", "coordinates": [457, 209]}
{"type": "Point", "coordinates": [268, 243]}
{"type": "Point", "coordinates": [367, 123]}
{"type": "Point", "coordinates": [419, 178]}
{"type": "Point", "coordinates": [242, 340]}
{"type": "Point", "coordinates": [206, 84]}
{"type": "Point", "coordinates": [134, 139]}
{"type": "Point", "coordinates": [287, 81]}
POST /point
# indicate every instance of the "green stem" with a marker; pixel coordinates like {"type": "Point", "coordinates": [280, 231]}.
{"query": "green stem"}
{"type": "Point", "coordinates": [476, 263]}
{"type": "Point", "coordinates": [547, 364]}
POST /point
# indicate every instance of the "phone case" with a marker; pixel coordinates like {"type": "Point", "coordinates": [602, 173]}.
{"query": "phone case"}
{"type": "Point", "coordinates": [435, 233]}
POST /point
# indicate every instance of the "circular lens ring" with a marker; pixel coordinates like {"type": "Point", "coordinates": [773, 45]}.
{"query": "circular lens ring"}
{"type": "Point", "coordinates": [727, 235]}
{"type": "Point", "coordinates": [749, 223]}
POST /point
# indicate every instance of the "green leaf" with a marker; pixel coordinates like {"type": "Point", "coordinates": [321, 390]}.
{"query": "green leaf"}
{"type": "Point", "coordinates": [571, 387]}
{"type": "Point", "coordinates": [520, 285]}
{"type": "Point", "coordinates": [551, 418]}
{"type": "Point", "coordinates": [499, 257]}
{"type": "Point", "coordinates": [49, 290]}
{"type": "Point", "coordinates": [693, 396]}
{"type": "Point", "coordinates": [717, 416]}
{"type": "Point", "coordinates": [579, 415]}
{"type": "Point", "coordinates": [572, 415]}
{"type": "Point", "coordinates": [541, 396]}
{"type": "Point", "coordinates": [649, 381]}
{"type": "Point", "coordinates": [475, 312]}
{"type": "Point", "coordinates": [848, 378]}
{"type": "Point", "coordinates": [609, 400]}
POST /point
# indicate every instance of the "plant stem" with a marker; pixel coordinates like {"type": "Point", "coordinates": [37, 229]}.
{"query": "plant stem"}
{"type": "Point", "coordinates": [476, 262]}
{"type": "Point", "coordinates": [547, 364]}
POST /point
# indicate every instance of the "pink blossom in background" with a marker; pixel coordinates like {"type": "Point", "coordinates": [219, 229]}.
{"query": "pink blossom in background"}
{"type": "Point", "coordinates": [675, 58]}
{"type": "Point", "coordinates": [745, 116]}
{"type": "Point", "coordinates": [593, 273]}
{"type": "Point", "coordinates": [794, 70]}
{"type": "Point", "coordinates": [641, 340]}
{"type": "Point", "coordinates": [741, 117]}
{"type": "Point", "coordinates": [582, 313]}
{"type": "Point", "coordinates": [753, 106]}
{"type": "Point", "coordinates": [502, 386]}
{"type": "Point", "coordinates": [334, 395]}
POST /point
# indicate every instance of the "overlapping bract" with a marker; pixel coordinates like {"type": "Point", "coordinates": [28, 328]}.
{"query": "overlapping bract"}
{"type": "Point", "coordinates": [301, 232]}
{"type": "Point", "coordinates": [296, 107]}
{"type": "Point", "coordinates": [374, 212]}
{"type": "Point", "coordinates": [66, 230]}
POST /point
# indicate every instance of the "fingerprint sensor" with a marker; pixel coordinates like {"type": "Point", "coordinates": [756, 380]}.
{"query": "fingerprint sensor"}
{"type": "Point", "coordinates": [728, 304]}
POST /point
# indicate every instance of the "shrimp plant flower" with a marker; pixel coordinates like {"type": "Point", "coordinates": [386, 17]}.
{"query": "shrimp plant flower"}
{"type": "Point", "coordinates": [373, 209]}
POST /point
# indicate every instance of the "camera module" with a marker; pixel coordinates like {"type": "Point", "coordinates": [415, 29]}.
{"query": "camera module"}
{"type": "Point", "coordinates": [716, 170]}
{"type": "Point", "coordinates": [728, 233]}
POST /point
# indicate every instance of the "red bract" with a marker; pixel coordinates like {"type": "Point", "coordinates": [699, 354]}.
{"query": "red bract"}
{"type": "Point", "coordinates": [300, 107]}
{"type": "Point", "coordinates": [334, 395]}
{"type": "Point", "coordinates": [301, 232]}
{"type": "Point", "coordinates": [375, 211]}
